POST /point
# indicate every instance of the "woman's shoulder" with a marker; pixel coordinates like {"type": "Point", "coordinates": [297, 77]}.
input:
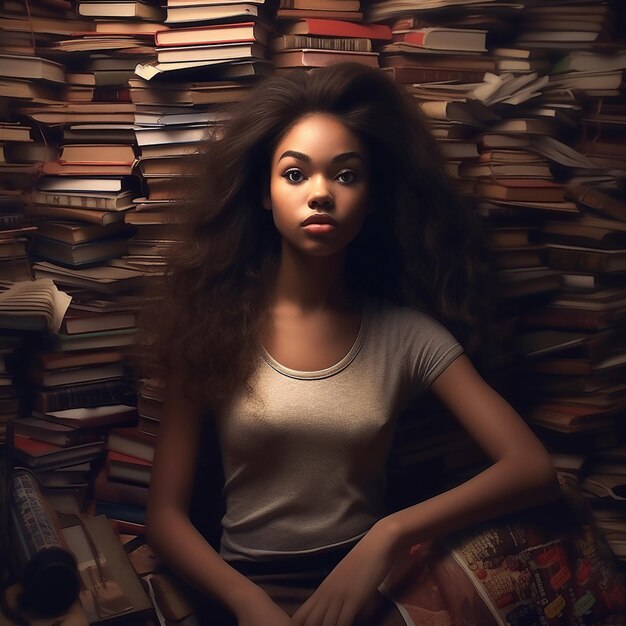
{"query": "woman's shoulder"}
{"type": "Point", "coordinates": [388, 313]}
{"type": "Point", "coordinates": [405, 325]}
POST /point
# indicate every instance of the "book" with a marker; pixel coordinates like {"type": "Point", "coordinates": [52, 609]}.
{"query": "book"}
{"type": "Point", "coordinates": [39, 454]}
{"type": "Point", "coordinates": [94, 216]}
{"type": "Point", "coordinates": [104, 278]}
{"type": "Point", "coordinates": [31, 67]}
{"type": "Point", "coordinates": [336, 28]}
{"type": "Point", "coordinates": [448, 39]}
{"type": "Point", "coordinates": [467, 111]}
{"type": "Point", "coordinates": [76, 375]}
{"type": "Point", "coordinates": [33, 305]}
{"type": "Point", "coordinates": [86, 417]}
{"type": "Point", "coordinates": [588, 60]}
{"type": "Point", "coordinates": [55, 433]}
{"type": "Point", "coordinates": [79, 254]}
{"type": "Point", "coordinates": [86, 395]}
{"type": "Point", "coordinates": [210, 52]}
{"type": "Point", "coordinates": [121, 8]}
{"type": "Point", "coordinates": [109, 154]}
{"type": "Point", "coordinates": [584, 259]}
{"type": "Point", "coordinates": [88, 185]}
{"type": "Point", "coordinates": [180, 14]}
{"type": "Point", "coordinates": [213, 34]}
{"type": "Point", "coordinates": [568, 318]}
{"type": "Point", "coordinates": [409, 75]}
{"type": "Point", "coordinates": [76, 233]}
{"type": "Point", "coordinates": [586, 231]}
{"type": "Point", "coordinates": [76, 321]}
{"type": "Point", "coordinates": [119, 511]}
{"type": "Point", "coordinates": [60, 360]}
{"type": "Point", "coordinates": [521, 189]}
{"type": "Point", "coordinates": [516, 283]}
{"type": "Point", "coordinates": [111, 593]}
{"type": "Point", "coordinates": [294, 14]}
{"type": "Point", "coordinates": [132, 442]}
{"type": "Point", "coordinates": [597, 200]}
{"type": "Point", "coordinates": [56, 168]}
{"type": "Point", "coordinates": [128, 27]}
{"type": "Point", "coordinates": [322, 5]}
{"type": "Point", "coordinates": [350, 44]}
{"type": "Point", "coordinates": [107, 490]}
{"type": "Point", "coordinates": [577, 366]}
{"type": "Point", "coordinates": [123, 467]}
{"type": "Point", "coordinates": [309, 57]}
{"type": "Point", "coordinates": [96, 340]}
{"type": "Point", "coordinates": [116, 200]}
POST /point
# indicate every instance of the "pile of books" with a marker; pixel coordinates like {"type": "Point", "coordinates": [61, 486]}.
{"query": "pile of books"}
{"type": "Point", "coordinates": [316, 34]}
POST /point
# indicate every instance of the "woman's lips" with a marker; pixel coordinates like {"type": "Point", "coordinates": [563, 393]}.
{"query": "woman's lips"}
{"type": "Point", "coordinates": [319, 223]}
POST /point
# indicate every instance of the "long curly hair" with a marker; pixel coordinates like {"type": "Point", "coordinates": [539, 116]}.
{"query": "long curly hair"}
{"type": "Point", "coordinates": [421, 246]}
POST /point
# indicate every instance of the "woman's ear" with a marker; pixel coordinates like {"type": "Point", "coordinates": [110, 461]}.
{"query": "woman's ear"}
{"type": "Point", "coordinates": [267, 201]}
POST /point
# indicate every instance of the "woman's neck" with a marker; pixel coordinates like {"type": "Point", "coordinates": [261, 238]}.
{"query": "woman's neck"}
{"type": "Point", "coordinates": [311, 282]}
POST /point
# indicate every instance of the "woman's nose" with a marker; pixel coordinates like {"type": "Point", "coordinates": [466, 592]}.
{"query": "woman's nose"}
{"type": "Point", "coordinates": [320, 195]}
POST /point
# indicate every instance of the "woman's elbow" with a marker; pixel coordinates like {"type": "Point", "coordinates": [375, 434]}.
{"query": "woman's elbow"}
{"type": "Point", "coordinates": [543, 477]}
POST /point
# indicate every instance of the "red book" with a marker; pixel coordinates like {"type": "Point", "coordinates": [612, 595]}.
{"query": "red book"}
{"type": "Point", "coordinates": [337, 28]}
{"type": "Point", "coordinates": [36, 453]}
{"type": "Point", "coordinates": [436, 38]}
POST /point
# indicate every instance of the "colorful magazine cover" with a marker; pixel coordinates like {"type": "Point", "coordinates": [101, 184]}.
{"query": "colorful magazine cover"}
{"type": "Point", "coordinates": [545, 567]}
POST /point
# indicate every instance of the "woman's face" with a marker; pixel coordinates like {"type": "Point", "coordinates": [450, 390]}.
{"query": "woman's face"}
{"type": "Point", "coordinates": [319, 186]}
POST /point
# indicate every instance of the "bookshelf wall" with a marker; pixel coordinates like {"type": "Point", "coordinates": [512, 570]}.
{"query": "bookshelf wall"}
{"type": "Point", "coordinates": [104, 104]}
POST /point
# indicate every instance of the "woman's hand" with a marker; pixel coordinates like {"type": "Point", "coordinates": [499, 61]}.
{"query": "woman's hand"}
{"type": "Point", "coordinates": [352, 587]}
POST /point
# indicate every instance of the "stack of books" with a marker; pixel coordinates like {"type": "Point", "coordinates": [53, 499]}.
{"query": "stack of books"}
{"type": "Point", "coordinates": [25, 76]}
{"type": "Point", "coordinates": [121, 487]}
{"type": "Point", "coordinates": [62, 457]}
{"type": "Point", "coordinates": [209, 41]}
{"type": "Point", "coordinates": [316, 34]}
{"type": "Point", "coordinates": [208, 54]}
{"type": "Point", "coordinates": [443, 41]}
{"type": "Point", "coordinates": [10, 345]}
{"type": "Point", "coordinates": [567, 25]}
{"type": "Point", "coordinates": [604, 485]}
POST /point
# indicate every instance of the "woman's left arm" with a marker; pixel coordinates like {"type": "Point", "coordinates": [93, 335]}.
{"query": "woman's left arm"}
{"type": "Point", "coordinates": [521, 476]}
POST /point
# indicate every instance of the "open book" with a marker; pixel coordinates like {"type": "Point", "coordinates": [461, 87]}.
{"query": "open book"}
{"type": "Point", "coordinates": [32, 305]}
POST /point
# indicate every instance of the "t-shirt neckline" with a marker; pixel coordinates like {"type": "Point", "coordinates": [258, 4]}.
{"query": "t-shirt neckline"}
{"type": "Point", "coordinates": [328, 371]}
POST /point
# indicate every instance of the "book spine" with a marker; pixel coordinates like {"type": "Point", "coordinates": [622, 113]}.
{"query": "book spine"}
{"type": "Point", "coordinates": [594, 199]}
{"type": "Point", "coordinates": [123, 512]}
{"type": "Point", "coordinates": [65, 200]}
{"type": "Point", "coordinates": [575, 261]}
{"type": "Point", "coordinates": [10, 220]}
{"type": "Point", "coordinates": [77, 396]}
{"type": "Point", "coordinates": [286, 42]}
{"type": "Point", "coordinates": [422, 75]}
{"type": "Point", "coordinates": [417, 38]}
{"type": "Point", "coordinates": [410, 22]}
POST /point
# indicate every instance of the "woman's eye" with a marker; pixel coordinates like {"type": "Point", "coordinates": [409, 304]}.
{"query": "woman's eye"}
{"type": "Point", "coordinates": [293, 176]}
{"type": "Point", "coordinates": [346, 176]}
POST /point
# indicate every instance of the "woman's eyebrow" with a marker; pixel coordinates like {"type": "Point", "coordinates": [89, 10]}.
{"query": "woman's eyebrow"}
{"type": "Point", "coordinates": [344, 156]}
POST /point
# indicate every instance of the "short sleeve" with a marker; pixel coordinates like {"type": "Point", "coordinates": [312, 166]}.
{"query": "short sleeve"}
{"type": "Point", "coordinates": [429, 347]}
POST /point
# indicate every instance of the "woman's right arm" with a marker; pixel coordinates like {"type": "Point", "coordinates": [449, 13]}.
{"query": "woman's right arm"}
{"type": "Point", "coordinates": [169, 529]}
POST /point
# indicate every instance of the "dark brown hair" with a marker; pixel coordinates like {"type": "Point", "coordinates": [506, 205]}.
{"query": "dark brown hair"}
{"type": "Point", "coordinates": [420, 246]}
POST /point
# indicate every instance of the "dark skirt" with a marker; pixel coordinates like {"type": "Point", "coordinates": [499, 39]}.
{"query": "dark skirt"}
{"type": "Point", "coordinates": [291, 581]}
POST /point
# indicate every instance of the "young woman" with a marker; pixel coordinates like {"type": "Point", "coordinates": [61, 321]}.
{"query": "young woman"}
{"type": "Point", "coordinates": [328, 276]}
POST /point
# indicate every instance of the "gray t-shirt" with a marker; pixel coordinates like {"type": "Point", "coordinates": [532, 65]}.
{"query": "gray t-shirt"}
{"type": "Point", "coordinates": [305, 454]}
